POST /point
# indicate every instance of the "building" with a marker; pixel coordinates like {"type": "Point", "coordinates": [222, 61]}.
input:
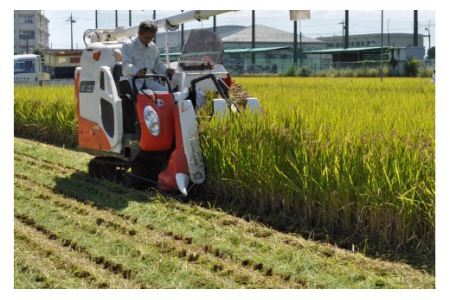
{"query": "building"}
{"type": "Point", "coordinates": [30, 31]}
{"type": "Point", "coordinates": [61, 63]}
{"type": "Point", "coordinates": [372, 40]}
{"type": "Point", "coordinates": [240, 37]}
{"type": "Point", "coordinates": [266, 36]}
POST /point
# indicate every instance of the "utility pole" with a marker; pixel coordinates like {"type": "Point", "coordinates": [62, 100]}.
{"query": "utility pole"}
{"type": "Point", "coordinates": [96, 19]}
{"type": "Point", "coordinates": [381, 48]}
{"type": "Point", "coordinates": [129, 18]}
{"type": "Point", "coordinates": [416, 29]}
{"type": "Point", "coordinates": [295, 44]}
{"type": "Point", "coordinates": [71, 20]}
{"type": "Point", "coordinates": [182, 35]}
{"type": "Point", "coordinates": [297, 16]}
{"type": "Point", "coordinates": [214, 24]}
{"type": "Point", "coordinates": [117, 19]}
{"type": "Point", "coordinates": [301, 42]}
{"type": "Point", "coordinates": [253, 38]}
{"type": "Point", "coordinates": [154, 18]}
{"type": "Point", "coordinates": [346, 29]}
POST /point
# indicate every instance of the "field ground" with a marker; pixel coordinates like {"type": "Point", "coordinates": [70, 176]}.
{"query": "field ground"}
{"type": "Point", "coordinates": [72, 231]}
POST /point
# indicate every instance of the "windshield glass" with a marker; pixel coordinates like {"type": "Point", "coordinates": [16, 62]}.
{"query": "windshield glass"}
{"type": "Point", "coordinates": [24, 66]}
{"type": "Point", "coordinates": [203, 47]}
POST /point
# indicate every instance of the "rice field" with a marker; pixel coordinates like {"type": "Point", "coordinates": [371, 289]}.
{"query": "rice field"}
{"type": "Point", "coordinates": [73, 231]}
{"type": "Point", "coordinates": [345, 160]}
{"type": "Point", "coordinates": [46, 114]}
{"type": "Point", "coordinates": [346, 157]}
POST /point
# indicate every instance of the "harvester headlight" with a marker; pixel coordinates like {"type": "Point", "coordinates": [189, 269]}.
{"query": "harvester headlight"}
{"type": "Point", "coordinates": [152, 120]}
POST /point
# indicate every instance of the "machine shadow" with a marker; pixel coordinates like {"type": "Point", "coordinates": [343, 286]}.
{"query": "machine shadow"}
{"type": "Point", "coordinates": [98, 192]}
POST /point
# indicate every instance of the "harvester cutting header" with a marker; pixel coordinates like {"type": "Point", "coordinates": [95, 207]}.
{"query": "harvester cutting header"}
{"type": "Point", "coordinates": [135, 112]}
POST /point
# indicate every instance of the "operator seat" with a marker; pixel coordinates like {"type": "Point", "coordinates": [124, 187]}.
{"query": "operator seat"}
{"type": "Point", "coordinates": [125, 93]}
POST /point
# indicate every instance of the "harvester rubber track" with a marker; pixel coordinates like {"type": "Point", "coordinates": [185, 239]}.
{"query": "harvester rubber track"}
{"type": "Point", "coordinates": [141, 176]}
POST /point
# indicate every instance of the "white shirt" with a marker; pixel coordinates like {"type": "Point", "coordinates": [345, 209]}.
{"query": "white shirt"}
{"type": "Point", "coordinates": [136, 56]}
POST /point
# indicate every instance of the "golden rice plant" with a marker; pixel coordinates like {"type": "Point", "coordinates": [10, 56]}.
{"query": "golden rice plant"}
{"type": "Point", "coordinates": [350, 158]}
{"type": "Point", "coordinates": [46, 114]}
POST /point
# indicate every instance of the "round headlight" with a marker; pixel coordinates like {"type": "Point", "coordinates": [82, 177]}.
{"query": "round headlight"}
{"type": "Point", "coordinates": [151, 120]}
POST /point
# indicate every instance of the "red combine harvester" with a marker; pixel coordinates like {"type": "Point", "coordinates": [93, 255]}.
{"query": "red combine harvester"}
{"type": "Point", "coordinates": [145, 137]}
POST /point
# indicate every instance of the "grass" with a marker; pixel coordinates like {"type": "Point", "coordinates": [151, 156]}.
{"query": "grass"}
{"type": "Point", "coordinates": [349, 161]}
{"type": "Point", "coordinates": [72, 231]}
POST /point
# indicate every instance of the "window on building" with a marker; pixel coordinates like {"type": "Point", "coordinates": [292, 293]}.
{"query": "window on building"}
{"type": "Point", "coordinates": [29, 19]}
{"type": "Point", "coordinates": [26, 34]}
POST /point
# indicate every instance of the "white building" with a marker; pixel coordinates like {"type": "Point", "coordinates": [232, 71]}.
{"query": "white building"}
{"type": "Point", "coordinates": [30, 31]}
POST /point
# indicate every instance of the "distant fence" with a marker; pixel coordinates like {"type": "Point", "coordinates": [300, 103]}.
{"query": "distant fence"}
{"type": "Point", "coordinates": [317, 67]}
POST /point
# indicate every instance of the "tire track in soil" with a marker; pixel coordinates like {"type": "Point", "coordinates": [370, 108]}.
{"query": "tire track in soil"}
{"type": "Point", "coordinates": [180, 241]}
{"type": "Point", "coordinates": [164, 249]}
{"type": "Point", "coordinates": [25, 265]}
{"type": "Point", "coordinates": [49, 162]}
{"type": "Point", "coordinates": [112, 267]}
{"type": "Point", "coordinates": [66, 260]}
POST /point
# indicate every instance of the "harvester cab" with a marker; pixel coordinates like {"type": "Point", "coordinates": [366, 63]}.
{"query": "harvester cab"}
{"type": "Point", "coordinates": [152, 133]}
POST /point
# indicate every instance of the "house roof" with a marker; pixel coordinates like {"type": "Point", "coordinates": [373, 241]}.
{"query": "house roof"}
{"type": "Point", "coordinates": [266, 34]}
{"type": "Point", "coordinates": [238, 51]}
{"type": "Point", "coordinates": [237, 34]}
{"type": "Point", "coordinates": [174, 37]}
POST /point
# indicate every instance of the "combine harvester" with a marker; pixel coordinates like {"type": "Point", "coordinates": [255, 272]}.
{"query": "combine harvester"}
{"type": "Point", "coordinates": [153, 133]}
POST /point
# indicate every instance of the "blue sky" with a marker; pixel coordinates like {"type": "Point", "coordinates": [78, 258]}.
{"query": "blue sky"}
{"type": "Point", "coordinates": [322, 22]}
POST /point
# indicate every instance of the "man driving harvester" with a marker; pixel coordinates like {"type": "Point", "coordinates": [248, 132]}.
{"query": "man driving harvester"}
{"type": "Point", "coordinates": [141, 57]}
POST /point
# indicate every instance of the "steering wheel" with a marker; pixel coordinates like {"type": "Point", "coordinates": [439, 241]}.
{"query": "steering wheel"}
{"type": "Point", "coordinates": [154, 76]}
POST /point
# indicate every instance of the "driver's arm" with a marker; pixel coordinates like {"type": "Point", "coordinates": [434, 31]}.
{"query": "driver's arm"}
{"type": "Point", "coordinates": [128, 68]}
{"type": "Point", "coordinates": [159, 66]}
